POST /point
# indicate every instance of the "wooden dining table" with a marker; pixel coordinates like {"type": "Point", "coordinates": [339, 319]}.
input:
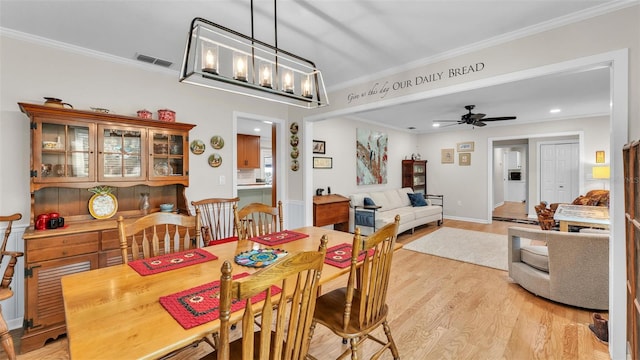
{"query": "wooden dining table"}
{"type": "Point", "coordinates": [115, 313]}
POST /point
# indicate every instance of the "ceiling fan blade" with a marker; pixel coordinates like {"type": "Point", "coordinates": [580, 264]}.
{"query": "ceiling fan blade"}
{"type": "Point", "coordinates": [499, 118]}
{"type": "Point", "coordinates": [448, 125]}
{"type": "Point", "coordinates": [477, 116]}
{"type": "Point", "coordinates": [478, 124]}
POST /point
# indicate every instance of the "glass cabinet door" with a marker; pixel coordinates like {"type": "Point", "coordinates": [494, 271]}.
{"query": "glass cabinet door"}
{"type": "Point", "coordinates": [66, 152]}
{"type": "Point", "coordinates": [120, 153]}
{"type": "Point", "coordinates": [167, 150]}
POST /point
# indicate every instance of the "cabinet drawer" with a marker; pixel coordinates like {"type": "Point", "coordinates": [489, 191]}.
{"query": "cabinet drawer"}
{"type": "Point", "coordinates": [110, 240]}
{"type": "Point", "coordinates": [61, 246]}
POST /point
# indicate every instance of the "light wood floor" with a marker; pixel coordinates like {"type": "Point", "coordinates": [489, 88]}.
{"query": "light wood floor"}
{"type": "Point", "coordinates": [511, 209]}
{"type": "Point", "coordinates": [446, 309]}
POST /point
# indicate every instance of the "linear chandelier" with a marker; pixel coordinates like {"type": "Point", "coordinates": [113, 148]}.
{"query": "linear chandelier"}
{"type": "Point", "coordinates": [220, 58]}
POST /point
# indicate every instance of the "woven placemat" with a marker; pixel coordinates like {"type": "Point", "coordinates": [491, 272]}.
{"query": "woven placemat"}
{"type": "Point", "coordinates": [173, 261]}
{"type": "Point", "coordinates": [340, 255]}
{"type": "Point", "coordinates": [278, 238]}
{"type": "Point", "coordinates": [199, 305]}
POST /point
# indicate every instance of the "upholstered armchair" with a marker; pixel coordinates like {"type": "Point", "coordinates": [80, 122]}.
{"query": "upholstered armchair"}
{"type": "Point", "coordinates": [573, 268]}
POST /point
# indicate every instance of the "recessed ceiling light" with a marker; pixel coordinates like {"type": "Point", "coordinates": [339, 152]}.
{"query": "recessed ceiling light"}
{"type": "Point", "coordinates": [555, 111]}
{"type": "Point", "coordinates": [256, 129]}
{"type": "Point", "coordinates": [436, 125]}
{"type": "Point", "coordinates": [267, 122]}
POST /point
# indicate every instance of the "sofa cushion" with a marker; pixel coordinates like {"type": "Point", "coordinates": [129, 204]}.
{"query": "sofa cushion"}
{"type": "Point", "coordinates": [380, 199]}
{"type": "Point", "coordinates": [357, 199]}
{"type": "Point", "coordinates": [417, 200]}
{"type": "Point", "coordinates": [536, 256]}
{"type": "Point", "coordinates": [402, 194]}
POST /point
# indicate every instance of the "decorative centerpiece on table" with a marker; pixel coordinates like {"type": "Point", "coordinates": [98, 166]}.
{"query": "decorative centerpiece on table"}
{"type": "Point", "coordinates": [103, 204]}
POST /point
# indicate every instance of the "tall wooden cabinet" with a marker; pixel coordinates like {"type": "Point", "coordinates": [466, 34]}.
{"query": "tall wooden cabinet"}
{"type": "Point", "coordinates": [72, 151]}
{"type": "Point", "coordinates": [414, 175]}
{"type": "Point", "coordinates": [248, 151]}
{"type": "Point", "coordinates": [631, 157]}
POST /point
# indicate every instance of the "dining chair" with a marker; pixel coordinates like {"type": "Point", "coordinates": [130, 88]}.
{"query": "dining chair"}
{"type": "Point", "coordinates": [355, 311]}
{"type": "Point", "coordinates": [257, 219]}
{"type": "Point", "coordinates": [217, 217]}
{"type": "Point", "coordinates": [284, 329]}
{"type": "Point", "coordinates": [143, 235]}
{"type": "Point", "coordinates": [5, 289]}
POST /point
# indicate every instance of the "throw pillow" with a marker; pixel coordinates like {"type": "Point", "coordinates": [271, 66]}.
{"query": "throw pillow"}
{"type": "Point", "coordinates": [417, 199]}
{"type": "Point", "coordinates": [369, 202]}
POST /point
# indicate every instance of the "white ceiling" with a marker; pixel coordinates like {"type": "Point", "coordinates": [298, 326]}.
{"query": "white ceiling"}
{"type": "Point", "coordinates": [349, 40]}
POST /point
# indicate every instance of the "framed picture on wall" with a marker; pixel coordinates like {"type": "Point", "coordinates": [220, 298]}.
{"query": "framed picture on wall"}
{"type": "Point", "coordinates": [322, 162]}
{"type": "Point", "coordinates": [446, 156]}
{"type": "Point", "coordinates": [465, 146]}
{"type": "Point", "coordinates": [318, 147]}
{"type": "Point", "coordinates": [464, 159]}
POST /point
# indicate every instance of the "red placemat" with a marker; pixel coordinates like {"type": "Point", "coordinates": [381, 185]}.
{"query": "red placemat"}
{"type": "Point", "coordinates": [222, 241]}
{"type": "Point", "coordinates": [200, 304]}
{"type": "Point", "coordinates": [340, 255]}
{"type": "Point", "coordinates": [168, 262]}
{"type": "Point", "coordinates": [279, 237]}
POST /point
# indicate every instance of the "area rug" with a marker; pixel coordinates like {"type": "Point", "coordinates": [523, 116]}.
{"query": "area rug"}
{"type": "Point", "coordinates": [518, 221]}
{"type": "Point", "coordinates": [474, 247]}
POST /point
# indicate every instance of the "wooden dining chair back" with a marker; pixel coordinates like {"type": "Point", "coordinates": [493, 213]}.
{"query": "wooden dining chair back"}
{"type": "Point", "coordinates": [283, 331]}
{"type": "Point", "coordinates": [258, 219]}
{"type": "Point", "coordinates": [5, 289]}
{"type": "Point", "coordinates": [355, 311]}
{"type": "Point", "coordinates": [157, 234]}
{"type": "Point", "coordinates": [217, 217]}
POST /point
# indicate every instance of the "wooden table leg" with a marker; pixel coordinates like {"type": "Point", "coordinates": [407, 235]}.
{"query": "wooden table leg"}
{"type": "Point", "coordinates": [564, 226]}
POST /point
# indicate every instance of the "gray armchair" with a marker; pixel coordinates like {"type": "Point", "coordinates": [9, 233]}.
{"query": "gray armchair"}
{"type": "Point", "coordinates": [572, 269]}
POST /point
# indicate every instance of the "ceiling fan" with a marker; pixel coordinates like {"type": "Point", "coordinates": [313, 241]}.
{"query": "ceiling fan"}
{"type": "Point", "coordinates": [473, 119]}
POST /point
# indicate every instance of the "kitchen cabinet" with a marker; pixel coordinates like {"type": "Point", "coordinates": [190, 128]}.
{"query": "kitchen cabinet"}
{"type": "Point", "coordinates": [516, 191]}
{"type": "Point", "coordinates": [75, 150]}
{"type": "Point", "coordinates": [414, 175]}
{"type": "Point", "coordinates": [248, 150]}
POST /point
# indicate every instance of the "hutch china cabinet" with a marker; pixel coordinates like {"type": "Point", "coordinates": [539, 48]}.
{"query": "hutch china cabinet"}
{"type": "Point", "coordinates": [73, 151]}
{"type": "Point", "coordinates": [414, 175]}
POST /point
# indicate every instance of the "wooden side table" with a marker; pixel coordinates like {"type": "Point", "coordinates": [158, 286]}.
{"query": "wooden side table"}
{"type": "Point", "coordinates": [331, 209]}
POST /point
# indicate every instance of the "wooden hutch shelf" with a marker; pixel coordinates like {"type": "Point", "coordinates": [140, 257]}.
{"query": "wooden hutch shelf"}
{"type": "Point", "coordinates": [72, 151]}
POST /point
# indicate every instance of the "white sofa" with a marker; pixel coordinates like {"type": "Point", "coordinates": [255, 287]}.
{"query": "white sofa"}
{"type": "Point", "coordinates": [394, 202]}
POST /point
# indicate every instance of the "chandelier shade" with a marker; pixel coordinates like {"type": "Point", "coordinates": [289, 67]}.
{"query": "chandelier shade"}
{"type": "Point", "coordinates": [221, 58]}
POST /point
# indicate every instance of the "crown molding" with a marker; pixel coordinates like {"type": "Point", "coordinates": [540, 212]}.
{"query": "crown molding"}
{"type": "Point", "coordinates": [39, 40]}
{"type": "Point", "coordinates": [494, 41]}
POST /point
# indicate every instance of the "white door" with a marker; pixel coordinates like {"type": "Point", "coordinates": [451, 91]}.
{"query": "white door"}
{"type": "Point", "coordinates": [559, 172]}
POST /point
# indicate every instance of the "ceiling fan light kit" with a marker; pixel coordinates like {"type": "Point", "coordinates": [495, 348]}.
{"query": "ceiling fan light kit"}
{"type": "Point", "coordinates": [471, 119]}
{"type": "Point", "coordinates": [220, 58]}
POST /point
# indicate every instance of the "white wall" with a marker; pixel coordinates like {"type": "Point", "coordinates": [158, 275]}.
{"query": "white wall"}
{"type": "Point", "coordinates": [340, 137]}
{"type": "Point", "coordinates": [465, 187]}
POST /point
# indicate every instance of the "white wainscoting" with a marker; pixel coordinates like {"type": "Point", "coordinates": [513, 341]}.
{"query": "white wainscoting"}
{"type": "Point", "coordinates": [294, 214]}
{"type": "Point", "coordinates": [13, 308]}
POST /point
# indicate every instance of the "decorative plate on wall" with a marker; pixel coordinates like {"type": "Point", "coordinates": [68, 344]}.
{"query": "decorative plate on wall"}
{"type": "Point", "coordinates": [294, 153]}
{"type": "Point", "coordinates": [295, 165]}
{"type": "Point", "coordinates": [197, 147]}
{"type": "Point", "coordinates": [294, 128]}
{"type": "Point", "coordinates": [217, 142]}
{"type": "Point", "coordinates": [294, 140]}
{"type": "Point", "coordinates": [215, 160]}
{"type": "Point", "coordinates": [103, 204]}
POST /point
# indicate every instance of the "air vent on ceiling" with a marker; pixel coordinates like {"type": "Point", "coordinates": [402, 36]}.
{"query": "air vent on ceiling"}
{"type": "Point", "coordinates": [153, 60]}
